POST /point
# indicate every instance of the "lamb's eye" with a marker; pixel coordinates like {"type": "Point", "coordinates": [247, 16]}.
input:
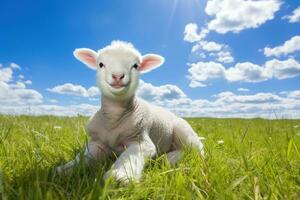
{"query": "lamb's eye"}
{"type": "Point", "coordinates": [135, 66]}
{"type": "Point", "coordinates": [101, 65]}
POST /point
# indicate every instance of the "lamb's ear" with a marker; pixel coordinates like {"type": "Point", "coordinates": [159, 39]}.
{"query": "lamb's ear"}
{"type": "Point", "coordinates": [150, 62]}
{"type": "Point", "coordinates": [87, 56]}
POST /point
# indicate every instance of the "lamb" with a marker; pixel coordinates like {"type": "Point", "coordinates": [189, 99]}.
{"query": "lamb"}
{"type": "Point", "coordinates": [125, 125]}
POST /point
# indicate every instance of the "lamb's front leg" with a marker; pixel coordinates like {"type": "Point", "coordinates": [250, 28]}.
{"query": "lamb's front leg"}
{"type": "Point", "coordinates": [130, 164]}
{"type": "Point", "coordinates": [93, 152]}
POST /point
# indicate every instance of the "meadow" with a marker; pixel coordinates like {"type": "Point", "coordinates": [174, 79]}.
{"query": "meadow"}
{"type": "Point", "coordinates": [245, 159]}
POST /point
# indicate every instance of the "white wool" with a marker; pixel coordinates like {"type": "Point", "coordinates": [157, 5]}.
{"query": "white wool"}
{"type": "Point", "coordinates": [127, 126]}
{"type": "Point", "coordinates": [120, 46]}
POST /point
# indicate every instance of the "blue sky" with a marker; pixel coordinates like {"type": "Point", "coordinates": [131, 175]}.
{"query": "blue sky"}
{"type": "Point", "coordinates": [257, 73]}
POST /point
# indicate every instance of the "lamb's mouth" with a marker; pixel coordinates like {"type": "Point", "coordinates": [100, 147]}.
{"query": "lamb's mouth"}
{"type": "Point", "coordinates": [118, 86]}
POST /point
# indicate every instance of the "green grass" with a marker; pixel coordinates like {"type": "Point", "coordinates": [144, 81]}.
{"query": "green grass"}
{"type": "Point", "coordinates": [258, 159]}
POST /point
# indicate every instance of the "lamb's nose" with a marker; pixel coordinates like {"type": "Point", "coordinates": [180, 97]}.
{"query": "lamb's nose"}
{"type": "Point", "coordinates": [118, 77]}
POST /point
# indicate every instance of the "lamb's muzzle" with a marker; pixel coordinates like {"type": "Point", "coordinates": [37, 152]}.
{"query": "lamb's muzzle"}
{"type": "Point", "coordinates": [126, 125]}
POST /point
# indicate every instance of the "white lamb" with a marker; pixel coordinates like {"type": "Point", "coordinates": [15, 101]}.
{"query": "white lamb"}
{"type": "Point", "coordinates": [125, 125]}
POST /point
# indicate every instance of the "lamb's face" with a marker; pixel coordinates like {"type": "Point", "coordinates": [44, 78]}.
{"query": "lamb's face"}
{"type": "Point", "coordinates": [118, 68]}
{"type": "Point", "coordinates": [117, 73]}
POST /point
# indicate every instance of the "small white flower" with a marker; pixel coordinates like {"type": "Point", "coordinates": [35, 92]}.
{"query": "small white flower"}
{"type": "Point", "coordinates": [57, 127]}
{"type": "Point", "coordinates": [220, 141]}
{"type": "Point", "coordinates": [40, 135]}
{"type": "Point", "coordinates": [201, 138]}
{"type": "Point", "coordinates": [296, 126]}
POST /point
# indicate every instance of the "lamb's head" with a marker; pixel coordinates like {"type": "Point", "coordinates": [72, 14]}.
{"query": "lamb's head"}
{"type": "Point", "coordinates": [118, 67]}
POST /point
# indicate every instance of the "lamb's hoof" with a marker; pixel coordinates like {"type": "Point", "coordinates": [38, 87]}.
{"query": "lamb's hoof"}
{"type": "Point", "coordinates": [58, 170]}
{"type": "Point", "coordinates": [117, 176]}
{"type": "Point", "coordinates": [61, 170]}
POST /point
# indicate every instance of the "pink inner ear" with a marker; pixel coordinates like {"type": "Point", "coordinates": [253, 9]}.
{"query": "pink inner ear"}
{"type": "Point", "coordinates": [87, 57]}
{"type": "Point", "coordinates": [149, 63]}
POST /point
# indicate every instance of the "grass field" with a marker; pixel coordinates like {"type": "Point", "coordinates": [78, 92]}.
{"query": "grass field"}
{"type": "Point", "coordinates": [245, 159]}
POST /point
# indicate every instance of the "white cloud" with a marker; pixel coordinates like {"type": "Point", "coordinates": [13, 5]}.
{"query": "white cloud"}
{"type": "Point", "coordinates": [201, 72]}
{"type": "Point", "coordinates": [243, 90]}
{"type": "Point", "coordinates": [237, 15]}
{"type": "Point", "coordinates": [224, 57]}
{"type": "Point", "coordinates": [211, 46]}
{"type": "Point", "coordinates": [15, 92]}
{"type": "Point", "coordinates": [191, 35]}
{"type": "Point", "coordinates": [76, 90]}
{"type": "Point", "coordinates": [196, 47]}
{"type": "Point", "coordinates": [52, 100]}
{"type": "Point", "coordinates": [194, 83]}
{"type": "Point", "coordinates": [229, 97]}
{"type": "Point", "coordinates": [5, 74]}
{"type": "Point", "coordinates": [12, 95]}
{"type": "Point", "coordinates": [294, 94]}
{"type": "Point", "coordinates": [94, 99]}
{"type": "Point", "coordinates": [246, 72]}
{"type": "Point", "coordinates": [294, 17]}
{"type": "Point", "coordinates": [219, 52]}
{"type": "Point", "coordinates": [228, 104]}
{"type": "Point", "coordinates": [290, 46]}
{"type": "Point", "coordinates": [21, 76]}
{"type": "Point", "coordinates": [283, 69]}
{"type": "Point", "coordinates": [69, 89]}
{"type": "Point", "coordinates": [17, 85]}
{"type": "Point", "coordinates": [15, 66]}
{"type": "Point", "coordinates": [260, 104]}
{"type": "Point", "coordinates": [150, 92]}
{"type": "Point", "coordinates": [93, 91]}
{"type": "Point", "coordinates": [16, 98]}
{"type": "Point", "coordinates": [28, 82]}
{"type": "Point", "coordinates": [207, 46]}
{"type": "Point", "coordinates": [201, 55]}
{"type": "Point", "coordinates": [45, 109]}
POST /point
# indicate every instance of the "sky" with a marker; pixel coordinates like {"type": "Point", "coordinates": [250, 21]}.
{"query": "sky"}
{"type": "Point", "coordinates": [223, 58]}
